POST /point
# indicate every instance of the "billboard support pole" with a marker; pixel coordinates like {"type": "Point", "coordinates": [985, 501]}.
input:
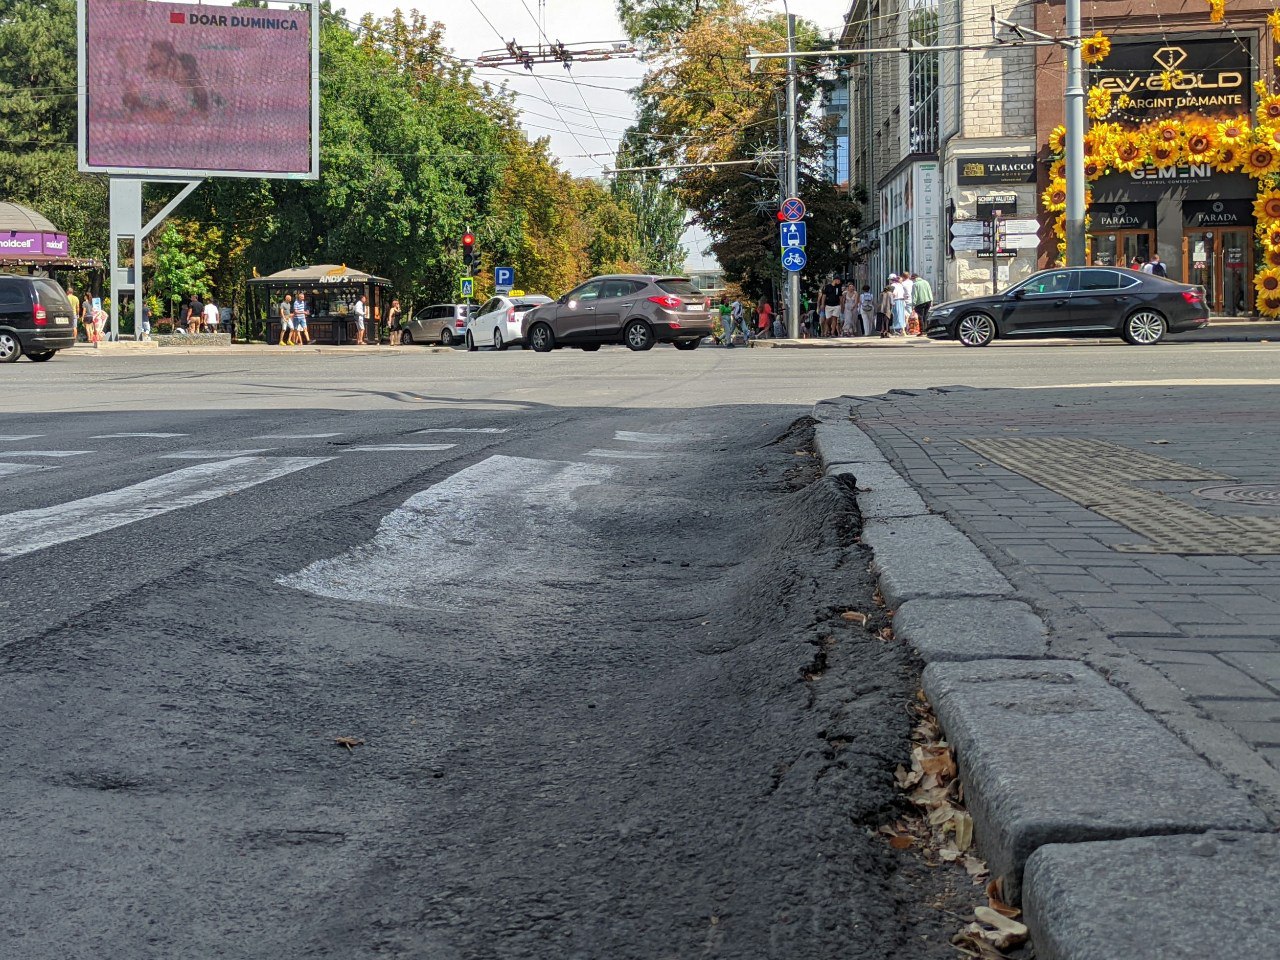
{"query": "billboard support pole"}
{"type": "Point", "coordinates": [126, 226]}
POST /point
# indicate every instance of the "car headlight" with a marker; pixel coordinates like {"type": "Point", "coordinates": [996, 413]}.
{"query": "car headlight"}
{"type": "Point", "coordinates": [941, 312]}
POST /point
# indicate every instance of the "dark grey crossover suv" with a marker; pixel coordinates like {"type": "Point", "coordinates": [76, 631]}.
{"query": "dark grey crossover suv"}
{"type": "Point", "coordinates": [35, 318]}
{"type": "Point", "coordinates": [638, 311]}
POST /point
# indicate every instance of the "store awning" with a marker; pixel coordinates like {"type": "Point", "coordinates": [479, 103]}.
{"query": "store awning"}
{"type": "Point", "coordinates": [321, 275]}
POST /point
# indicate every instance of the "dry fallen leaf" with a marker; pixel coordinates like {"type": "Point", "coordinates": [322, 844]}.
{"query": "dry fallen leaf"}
{"type": "Point", "coordinates": [974, 867]}
{"type": "Point", "coordinates": [348, 742]}
{"type": "Point", "coordinates": [964, 829]}
{"type": "Point", "coordinates": [1007, 932]}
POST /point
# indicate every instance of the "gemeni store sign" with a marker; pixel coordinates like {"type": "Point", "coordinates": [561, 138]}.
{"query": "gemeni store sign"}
{"type": "Point", "coordinates": [1207, 76]}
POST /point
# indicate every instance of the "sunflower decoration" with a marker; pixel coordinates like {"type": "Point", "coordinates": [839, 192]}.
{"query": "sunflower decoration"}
{"type": "Point", "coordinates": [1269, 305]}
{"type": "Point", "coordinates": [1055, 197]}
{"type": "Point", "coordinates": [1058, 139]}
{"type": "Point", "coordinates": [1271, 256]}
{"type": "Point", "coordinates": [1164, 154]}
{"type": "Point", "coordinates": [1226, 160]}
{"type": "Point", "coordinates": [1098, 104]}
{"type": "Point", "coordinates": [1267, 282]}
{"type": "Point", "coordinates": [1234, 132]}
{"type": "Point", "coordinates": [1269, 234]}
{"type": "Point", "coordinates": [1267, 206]}
{"type": "Point", "coordinates": [1059, 227]}
{"type": "Point", "coordinates": [1093, 169]}
{"type": "Point", "coordinates": [1260, 159]}
{"type": "Point", "coordinates": [1269, 108]}
{"type": "Point", "coordinates": [1216, 10]}
{"type": "Point", "coordinates": [1095, 49]}
{"type": "Point", "coordinates": [1201, 144]}
{"type": "Point", "coordinates": [1167, 131]}
{"type": "Point", "coordinates": [1098, 135]}
{"type": "Point", "coordinates": [1171, 78]}
{"type": "Point", "coordinates": [1130, 153]}
{"type": "Point", "coordinates": [1058, 169]}
{"type": "Point", "coordinates": [1273, 21]}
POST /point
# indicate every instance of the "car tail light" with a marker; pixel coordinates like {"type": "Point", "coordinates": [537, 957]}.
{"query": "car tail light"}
{"type": "Point", "coordinates": [511, 315]}
{"type": "Point", "coordinates": [38, 314]}
{"type": "Point", "coordinates": [670, 302]}
{"type": "Point", "coordinates": [674, 324]}
{"type": "Point", "coordinates": [460, 323]}
{"type": "Point", "coordinates": [1192, 296]}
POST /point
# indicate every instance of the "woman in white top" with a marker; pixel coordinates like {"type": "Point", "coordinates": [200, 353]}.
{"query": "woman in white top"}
{"type": "Point", "coordinates": [211, 317]}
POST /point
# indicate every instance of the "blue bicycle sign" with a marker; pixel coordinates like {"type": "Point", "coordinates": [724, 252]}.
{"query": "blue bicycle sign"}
{"type": "Point", "coordinates": [794, 259]}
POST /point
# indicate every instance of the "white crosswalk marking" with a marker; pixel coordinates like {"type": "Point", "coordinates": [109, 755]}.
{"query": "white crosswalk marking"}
{"type": "Point", "coordinates": [631, 436]}
{"type": "Point", "coordinates": [122, 436]}
{"type": "Point", "coordinates": [298, 436]}
{"type": "Point", "coordinates": [623, 454]}
{"type": "Point", "coordinates": [439, 547]}
{"type": "Point", "coordinates": [464, 430]}
{"type": "Point", "coordinates": [44, 453]}
{"type": "Point", "coordinates": [12, 469]}
{"type": "Point", "coordinates": [18, 437]}
{"type": "Point", "coordinates": [212, 454]}
{"type": "Point", "coordinates": [29, 530]}
{"type": "Point", "coordinates": [399, 447]}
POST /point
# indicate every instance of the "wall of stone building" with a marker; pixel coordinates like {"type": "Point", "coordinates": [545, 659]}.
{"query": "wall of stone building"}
{"type": "Point", "coordinates": [997, 92]}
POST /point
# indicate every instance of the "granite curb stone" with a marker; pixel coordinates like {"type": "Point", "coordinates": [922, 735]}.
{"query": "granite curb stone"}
{"type": "Point", "coordinates": [928, 557]}
{"type": "Point", "coordinates": [844, 443]}
{"type": "Point", "coordinates": [1049, 752]}
{"type": "Point", "coordinates": [971, 629]}
{"type": "Point", "coordinates": [1156, 898]}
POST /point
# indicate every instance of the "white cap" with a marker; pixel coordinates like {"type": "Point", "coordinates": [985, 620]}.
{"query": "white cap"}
{"type": "Point", "coordinates": [893, 276]}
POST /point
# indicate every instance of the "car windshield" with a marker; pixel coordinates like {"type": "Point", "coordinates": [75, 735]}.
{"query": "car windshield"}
{"type": "Point", "coordinates": [530, 301]}
{"type": "Point", "coordinates": [50, 293]}
{"type": "Point", "coordinates": [680, 287]}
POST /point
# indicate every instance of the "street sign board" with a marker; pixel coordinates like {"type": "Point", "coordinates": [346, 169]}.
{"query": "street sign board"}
{"type": "Point", "coordinates": [969, 228]}
{"type": "Point", "coordinates": [969, 244]}
{"type": "Point", "coordinates": [1022, 226]}
{"type": "Point", "coordinates": [792, 209]}
{"type": "Point", "coordinates": [793, 234]}
{"type": "Point", "coordinates": [504, 277]}
{"type": "Point", "coordinates": [466, 287]}
{"type": "Point", "coordinates": [1021, 241]}
{"type": "Point", "coordinates": [793, 259]}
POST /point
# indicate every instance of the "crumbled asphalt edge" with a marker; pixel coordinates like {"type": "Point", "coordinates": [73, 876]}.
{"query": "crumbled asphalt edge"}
{"type": "Point", "coordinates": [861, 898]}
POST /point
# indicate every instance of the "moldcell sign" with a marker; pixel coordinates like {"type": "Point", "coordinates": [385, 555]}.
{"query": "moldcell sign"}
{"type": "Point", "coordinates": [1212, 77]}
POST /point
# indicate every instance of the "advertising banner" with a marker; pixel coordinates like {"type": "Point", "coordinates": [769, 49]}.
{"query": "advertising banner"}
{"type": "Point", "coordinates": [1210, 77]}
{"type": "Point", "coordinates": [174, 87]}
{"type": "Point", "coordinates": [18, 244]}
{"type": "Point", "coordinates": [55, 245]}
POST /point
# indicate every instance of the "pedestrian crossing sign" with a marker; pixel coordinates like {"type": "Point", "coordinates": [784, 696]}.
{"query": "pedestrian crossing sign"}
{"type": "Point", "coordinates": [466, 287]}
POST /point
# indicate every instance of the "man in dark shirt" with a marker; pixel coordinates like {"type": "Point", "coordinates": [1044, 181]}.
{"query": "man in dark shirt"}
{"type": "Point", "coordinates": [195, 314]}
{"type": "Point", "coordinates": [829, 307]}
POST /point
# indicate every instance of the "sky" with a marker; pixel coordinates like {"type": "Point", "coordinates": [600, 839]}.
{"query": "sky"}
{"type": "Point", "coordinates": [583, 111]}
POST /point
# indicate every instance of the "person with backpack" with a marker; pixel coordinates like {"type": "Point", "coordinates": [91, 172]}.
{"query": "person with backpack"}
{"type": "Point", "coordinates": [867, 310]}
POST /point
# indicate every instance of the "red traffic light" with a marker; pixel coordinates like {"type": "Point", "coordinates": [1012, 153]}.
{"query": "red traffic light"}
{"type": "Point", "coordinates": [781, 216]}
{"type": "Point", "coordinates": [468, 239]}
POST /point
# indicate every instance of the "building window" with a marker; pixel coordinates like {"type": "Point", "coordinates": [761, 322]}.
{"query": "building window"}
{"type": "Point", "coordinates": [922, 106]}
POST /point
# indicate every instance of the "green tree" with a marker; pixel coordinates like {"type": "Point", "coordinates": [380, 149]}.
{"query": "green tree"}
{"type": "Point", "coordinates": [177, 272]}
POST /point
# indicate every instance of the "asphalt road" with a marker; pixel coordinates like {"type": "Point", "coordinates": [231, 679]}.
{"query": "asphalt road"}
{"type": "Point", "coordinates": [578, 615]}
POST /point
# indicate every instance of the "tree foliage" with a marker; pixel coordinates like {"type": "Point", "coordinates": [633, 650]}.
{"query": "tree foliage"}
{"type": "Point", "coordinates": [702, 104]}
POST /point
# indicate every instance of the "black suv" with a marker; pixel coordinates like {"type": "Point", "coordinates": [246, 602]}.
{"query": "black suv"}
{"type": "Point", "coordinates": [35, 319]}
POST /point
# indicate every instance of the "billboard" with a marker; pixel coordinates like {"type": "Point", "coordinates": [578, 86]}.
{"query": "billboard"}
{"type": "Point", "coordinates": [18, 243]}
{"type": "Point", "coordinates": [176, 89]}
{"type": "Point", "coordinates": [1210, 76]}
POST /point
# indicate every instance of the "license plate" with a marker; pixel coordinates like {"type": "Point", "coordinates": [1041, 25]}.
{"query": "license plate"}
{"type": "Point", "coordinates": [62, 320]}
{"type": "Point", "coordinates": [693, 307]}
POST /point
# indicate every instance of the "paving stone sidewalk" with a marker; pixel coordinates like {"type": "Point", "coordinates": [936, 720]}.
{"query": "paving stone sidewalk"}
{"type": "Point", "coordinates": [1142, 524]}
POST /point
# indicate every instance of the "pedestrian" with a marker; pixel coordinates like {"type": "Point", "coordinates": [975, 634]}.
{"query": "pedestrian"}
{"type": "Point", "coordinates": [829, 307]}
{"type": "Point", "coordinates": [210, 315]}
{"type": "Point", "coordinates": [922, 299]}
{"type": "Point", "coordinates": [849, 311]}
{"type": "Point", "coordinates": [393, 324]}
{"type": "Point", "coordinates": [195, 312]}
{"type": "Point", "coordinates": [764, 316]}
{"type": "Point", "coordinates": [75, 303]}
{"type": "Point", "coordinates": [737, 317]}
{"type": "Point", "coordinates": [361, 311]}
{"type": "Point", "coordinates": [1136, 264]}
{"type": "Point", "coordinates": [1155, 266]}
{"type": "Point", "coordinates": [99, 320]}
{"type": "Point", "coordinates": [899, 308]}
{"type": "Point", "coordinates": [300, 334]}
{"type": "Point", "coordinates": [867, 310]}
{"type": "Point", "coordinates": [884, 319]}
{"type": "Point", "coordinates": [146, 321]}
{"type": "Point", "coordinates": [285, 312]}
{"type": "Point", "coordinates": [726, 322]}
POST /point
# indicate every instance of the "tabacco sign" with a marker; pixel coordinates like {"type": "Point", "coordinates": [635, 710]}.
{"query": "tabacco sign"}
{"type": "Point", "coordinates": [971, 170]}
{"type": "Point", "coordinates": [1205, 76]}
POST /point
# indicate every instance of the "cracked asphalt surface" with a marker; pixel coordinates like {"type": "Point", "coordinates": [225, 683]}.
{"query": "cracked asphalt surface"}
{"type": "Point", "coordinates": [619, 717]}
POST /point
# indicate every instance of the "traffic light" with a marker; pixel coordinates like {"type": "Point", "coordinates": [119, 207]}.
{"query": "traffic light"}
{"type": "Point", "coordinates": [469, 256]}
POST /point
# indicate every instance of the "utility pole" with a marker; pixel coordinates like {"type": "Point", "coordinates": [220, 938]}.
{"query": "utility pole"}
{"type": "Point", "coordinates": [793, 170]}
{"type": "Point", "coordinates": [1075, 138]}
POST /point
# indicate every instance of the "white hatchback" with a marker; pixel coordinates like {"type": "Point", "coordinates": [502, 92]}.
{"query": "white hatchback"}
{"type": "Point", "coordinates": [497, 323]}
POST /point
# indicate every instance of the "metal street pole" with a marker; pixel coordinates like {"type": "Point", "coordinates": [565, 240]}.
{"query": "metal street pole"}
{"type": "Point", "coordinates": [1075, 139]}
{"type": "Point", "coordinates": [793, 171]}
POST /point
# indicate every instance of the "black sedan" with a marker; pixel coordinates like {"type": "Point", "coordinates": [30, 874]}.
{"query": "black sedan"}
{"type": "Point", "coordinates": [1075, 302]}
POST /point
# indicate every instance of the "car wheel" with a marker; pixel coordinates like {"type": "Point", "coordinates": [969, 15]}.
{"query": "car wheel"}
{"type": "Point", "coordinates": [10, 348]}
{"type": "Point", "coordinates": [1144, 328]}
{"type": "Point", "coordinates": [687, 344]}
{"type": "Point", "coordinates": [541, 339]}
{"type": "Point", "coordinates": [446, 337]}
{"type": "Point", "coordinates": [590, 347]}
{"type": "Point", "coordinates": [41, 357]}
{"type": "Point", "coordinates": [471, 342]}
{"type": "Point", "coordinates": [497, 340]}
{"type": "Point", "coordinates": [406, 338]}
{"type": "Point", "coordinates": [638, 336]}
{"type": "Point", "coordinates": [975, 330]}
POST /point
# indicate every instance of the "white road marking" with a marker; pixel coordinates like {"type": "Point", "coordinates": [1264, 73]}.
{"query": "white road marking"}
{"type": "Point", "coordinates": [400, 447]}
{"type": "Point", "coordinates": [464, 430]}
{"type": "Point", "coordinates": [121, 436]}
{"type": "Point", "coordinates": [447, 546]}
{"type": "Point", "coordinates": [623, 454]}
{"type": "Point", "coordinates": [12, 469]}
{"type": "Point", "coordinates": [631, 436]}
{"type": "Point", "coordinates": [298, 436]}
{"type": "Point", "coordinates": [212, 454]}
{"type": "Point", "coordinates": [44, 453]}
{"type": "Point", "coordinates": [18, 437]}
{"type": "Point", "coordinates": [29, 530]}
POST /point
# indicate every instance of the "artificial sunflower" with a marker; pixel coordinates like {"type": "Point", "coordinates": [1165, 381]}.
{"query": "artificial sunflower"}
{"type": "Point", "coordinates": [1055, 197]}
{"type": "Point", "coordinates": [1171, 78]}
{"type": "Point", "coordinates": [1059, 227]}
{"type": "Point", "coordinates": [1234, 132]}
{"type": "Point", "coordinates": [1058, 169]}
{"type": "Point", "coordinates": [1267, 282]}
{"type": "Point", "coordinates": [1269, 305]}
{"type": "Point", "coordinates": [1216, 10]}
{"type": "Point", "coordinates": [1271, 256]}
{"type": "Point", "coordinates": [1227, 160]}
{"type": "Point", "coordinates": [1267, 206]}
{"type": "Point", "coordinates": [1201, 144]}
{"type": "Point", "coordinates": [1098, 104]}
{"type": "Point", "coordinates": [1096, 48]}
{"type": "Point", "coordinates": [1165, 154]}
{"type": "Point", "coordinates": [1269, 108]}
{"type": "Point", "coordinates": [1273, 21]}
{"type": "Point", "coordinates": [1130, 153]}
{"type": "Point", "coordinates": [1269, 234]}
{"type": "Point", "coordinates": [1093, 169]}
{"type": "Point", "coordinates": [1057, 139]}
{"type": "Point", "coordinates": [1260, 160]}
{"type": "Point", "coordinates": [1098, 136]}
{"type": "Point", "coordinates": [1167, 131]}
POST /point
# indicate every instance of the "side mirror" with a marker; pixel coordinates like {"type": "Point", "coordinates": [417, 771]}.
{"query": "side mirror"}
{"type": "Point", "coordinates": [1017, 294]}
{"type": "Point", "coordinates": [563, 300]}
